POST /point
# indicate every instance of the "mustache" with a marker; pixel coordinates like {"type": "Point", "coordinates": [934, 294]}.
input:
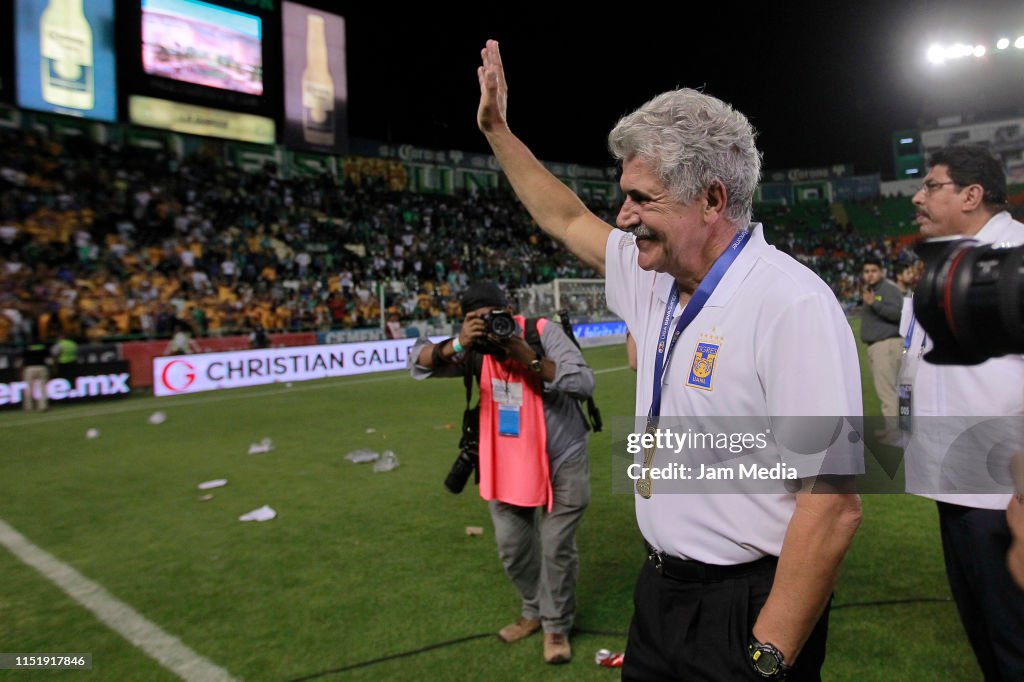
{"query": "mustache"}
{"type": "Point", "coordinates": [641, 231]}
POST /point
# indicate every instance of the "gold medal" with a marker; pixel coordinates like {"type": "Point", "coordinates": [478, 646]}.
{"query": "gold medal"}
{"type": "Point", "coordinates": [645, 486]}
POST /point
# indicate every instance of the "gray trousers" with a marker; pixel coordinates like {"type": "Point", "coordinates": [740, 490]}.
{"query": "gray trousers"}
{"type": "Point", "coordinates": [884, 360]}
{"type": "Point", "coordinates": [35, 398]}
{"type": "Point", "coordinates": [538, 549]}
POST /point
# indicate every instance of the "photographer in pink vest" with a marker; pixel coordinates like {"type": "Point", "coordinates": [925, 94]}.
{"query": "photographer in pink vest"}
{"type": "Point", "coordinates": [532, 444]}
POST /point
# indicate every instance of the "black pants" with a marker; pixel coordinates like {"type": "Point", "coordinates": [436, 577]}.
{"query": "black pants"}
{"type": "Point", "coordinates": [991, 606]}
{"type": "Point", "coordinates": [693, 630]}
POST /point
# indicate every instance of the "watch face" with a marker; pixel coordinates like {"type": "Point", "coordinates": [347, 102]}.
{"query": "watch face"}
{"type": "Point", "coordinates": [766, 662]}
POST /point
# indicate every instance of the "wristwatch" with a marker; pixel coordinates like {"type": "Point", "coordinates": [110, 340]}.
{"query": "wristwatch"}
{"type": "Point", "coordinates": [767, 661]}
{"type": "Point", "coordinates": [537, 364]}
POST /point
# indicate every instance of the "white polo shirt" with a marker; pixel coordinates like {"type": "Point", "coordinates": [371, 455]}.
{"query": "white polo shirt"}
{"type": "Point", "coordinates": [947, 402]}
{"type": "Point", "coordinates": [783, 348]}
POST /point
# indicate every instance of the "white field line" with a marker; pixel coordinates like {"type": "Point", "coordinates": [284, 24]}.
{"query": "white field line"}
{"type": "Point", "coordinates": [165, 649]}
{"type": "Point", "coordinates": [150, 403]}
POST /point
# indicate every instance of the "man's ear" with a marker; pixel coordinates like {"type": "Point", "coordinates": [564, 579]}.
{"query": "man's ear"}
{"type": "Point", "coordinates": [974, 196]}
{"type": "Point", "coordinates": [716, 199]}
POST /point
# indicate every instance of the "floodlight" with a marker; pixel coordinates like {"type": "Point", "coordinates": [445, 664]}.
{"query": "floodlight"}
{"type": "Point", "coordinates": [1003, 43]}
{"type": "Point", "coordinates": [958, 51]}
{"type": "Point", "coordinates": [979, 50]}
{"type": "Point", "coordinates": [1019, 43]}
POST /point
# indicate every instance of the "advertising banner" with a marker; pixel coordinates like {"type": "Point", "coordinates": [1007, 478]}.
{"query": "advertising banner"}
{"type": "Point", "coordinates": [315, 80]}
{"type": "Point", "coordinates": [196, 120]}
{"type": "Point", "coordinates": [175, 375]}
{"type": "Point", "coordinates": [600, 333]}
{"type": "Point", "coordinates": [65, 57]}
{"type": "Point", "coordinates": [79, 383]}
{"type": "Point", "coordinates": [140, 354]}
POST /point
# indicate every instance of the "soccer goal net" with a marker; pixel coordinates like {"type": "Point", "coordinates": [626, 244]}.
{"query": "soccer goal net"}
{"type": "Point", "coordinates": [584, 302]}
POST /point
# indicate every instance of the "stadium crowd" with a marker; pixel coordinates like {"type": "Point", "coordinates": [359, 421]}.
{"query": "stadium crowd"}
{"type": "Point", "coordinates": [100, 242]}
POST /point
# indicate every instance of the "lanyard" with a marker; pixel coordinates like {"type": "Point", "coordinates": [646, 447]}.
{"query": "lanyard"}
{"type": "Point", "coordinates": [692, 309]}
{"type": "Point", "coordinates": [910, 334]}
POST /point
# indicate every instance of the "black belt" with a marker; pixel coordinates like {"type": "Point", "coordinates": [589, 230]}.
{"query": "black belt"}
{"type": "Point", "coordinates": [697, 571]}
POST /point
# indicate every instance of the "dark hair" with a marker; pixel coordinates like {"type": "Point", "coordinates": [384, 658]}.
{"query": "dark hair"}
{"type": "Point", "coordinates": [972, 165]}
{"type": "Point", "coordinates": [482, 293]}
{"type": "Point", "coordinates": [906, 260]}
{"type": "Point", "coordinates": [873, 261]}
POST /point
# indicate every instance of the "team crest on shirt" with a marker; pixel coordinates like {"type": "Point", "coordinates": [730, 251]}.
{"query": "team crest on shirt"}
{"type": "Point", "coordinates": [702, 367]}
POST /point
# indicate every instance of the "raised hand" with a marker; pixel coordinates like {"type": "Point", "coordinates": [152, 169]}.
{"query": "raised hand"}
{"type": "Point", "coordinates": [491, 114]}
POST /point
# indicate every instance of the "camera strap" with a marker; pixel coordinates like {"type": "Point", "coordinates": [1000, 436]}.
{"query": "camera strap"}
{"type": "Point", "coordinates": [472, 367]}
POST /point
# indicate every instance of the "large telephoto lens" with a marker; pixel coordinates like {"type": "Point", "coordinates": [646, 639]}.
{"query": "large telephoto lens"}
{"type": "Point", "coordinates": [970, 300]}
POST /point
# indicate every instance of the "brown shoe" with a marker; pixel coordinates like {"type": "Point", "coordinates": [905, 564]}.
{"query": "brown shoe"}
{"type": "Point", "coordinates": [556, 648]}
{"type": "Point", "coordinates": [522, 628]}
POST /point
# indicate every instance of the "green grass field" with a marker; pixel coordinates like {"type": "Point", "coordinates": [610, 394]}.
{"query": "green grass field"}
{"type": "Point", "coordinates": [362, 574]}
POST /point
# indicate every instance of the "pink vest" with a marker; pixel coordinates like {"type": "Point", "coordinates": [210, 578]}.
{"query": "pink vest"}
{"type": "Point", "coordinates": [513, 469]}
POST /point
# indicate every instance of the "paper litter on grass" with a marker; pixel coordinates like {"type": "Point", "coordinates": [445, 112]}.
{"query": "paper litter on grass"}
{"type": "Point", "coordinates": [264, 513]}
{"type": "Point", "coordinates": [362, 456]}
{"type": "Point", "coordinates": [215, 483]}
{"type": "Point", "coordinates": [387, 462]}
{"type": "Point", "coordinates": [92, 433]}
{"type": "Point", "coordinates": [157, 418]}
{"type": "Point", "coordinates": [264, 445]}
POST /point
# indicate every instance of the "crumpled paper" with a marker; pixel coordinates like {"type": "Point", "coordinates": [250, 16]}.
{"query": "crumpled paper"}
{"type": "Point", "coordinates": [264, 513]}
{"type": "Point", "coordinates": [264, 445]}
{"type": "Point", "coordinates": [215, 483]}
{"type": "Point", "coordinates": [362, 456]}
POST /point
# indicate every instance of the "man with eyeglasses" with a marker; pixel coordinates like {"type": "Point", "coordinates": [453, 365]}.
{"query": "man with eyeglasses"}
{"type": "Point", "coordinates": [964, 194]}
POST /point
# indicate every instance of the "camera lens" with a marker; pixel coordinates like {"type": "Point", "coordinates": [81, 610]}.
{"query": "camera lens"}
{"type": "Point", "coordinates": [501, 324]}
{"type": "Point", "coordinates": [969, 300]}
{"type": "Point", "coordinates": [461, 469]}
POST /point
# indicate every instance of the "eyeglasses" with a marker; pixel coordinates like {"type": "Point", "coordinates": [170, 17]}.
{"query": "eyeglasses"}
{"type": "Point", "coordinates": [930, 186]}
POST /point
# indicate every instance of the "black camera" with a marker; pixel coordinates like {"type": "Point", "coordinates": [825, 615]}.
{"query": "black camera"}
{"type": "Point", "coordinates": [970, 300]}
{"type": "Point", "coordinates": [468, 460]}
{"type": "Point", "coordinates": [500, 323]}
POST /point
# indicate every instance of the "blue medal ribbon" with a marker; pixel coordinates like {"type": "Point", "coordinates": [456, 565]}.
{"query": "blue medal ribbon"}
{"type": "Point", "coordinates": [690, 312]}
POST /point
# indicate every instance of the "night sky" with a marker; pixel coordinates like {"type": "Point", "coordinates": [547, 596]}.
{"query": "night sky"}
{"type": "Point", "coordinates": [823, 82]}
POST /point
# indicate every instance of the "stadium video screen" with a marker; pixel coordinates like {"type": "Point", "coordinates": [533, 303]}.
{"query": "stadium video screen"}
{"type": "Point", "coordinates": [201, 43]}
{"type": "Point", "coordinates": [315, 80]}
{"type": "Point", "coordinates": [65, 57]}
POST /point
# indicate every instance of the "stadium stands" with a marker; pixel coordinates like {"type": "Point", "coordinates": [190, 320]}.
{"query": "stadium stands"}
{"type": "Point", "coordinates": [104, 243]}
